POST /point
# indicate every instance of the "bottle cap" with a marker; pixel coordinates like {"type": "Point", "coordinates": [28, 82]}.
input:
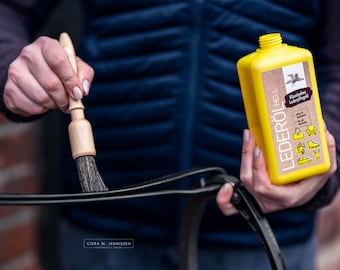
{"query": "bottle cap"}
{"type": "Point", "coordinates": [270, 40]}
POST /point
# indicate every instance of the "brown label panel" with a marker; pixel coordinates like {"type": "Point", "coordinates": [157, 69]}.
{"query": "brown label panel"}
{"type": "Point", "coordinates": [293, 118]}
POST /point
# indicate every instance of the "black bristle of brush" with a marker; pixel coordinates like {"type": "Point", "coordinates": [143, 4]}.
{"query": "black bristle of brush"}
{"type": "Point", "coordinates": [89, 176]}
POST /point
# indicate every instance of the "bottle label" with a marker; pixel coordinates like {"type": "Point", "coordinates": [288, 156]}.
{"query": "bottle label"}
{"type": "Point", "coordinates": [293, 117]}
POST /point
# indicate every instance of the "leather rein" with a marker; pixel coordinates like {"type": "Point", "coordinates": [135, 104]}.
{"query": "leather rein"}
{"type": "Point", "coordinates": [210, 181]}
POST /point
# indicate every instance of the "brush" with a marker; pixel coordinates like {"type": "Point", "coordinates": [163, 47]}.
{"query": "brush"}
{"type": "Point", "coordinates": [80, 134]}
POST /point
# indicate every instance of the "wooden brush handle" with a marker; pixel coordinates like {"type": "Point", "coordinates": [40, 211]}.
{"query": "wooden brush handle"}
{"type": "Point", "coordinates": [67, 44]}
{"type": "Point", "coordinates": [80, 131]}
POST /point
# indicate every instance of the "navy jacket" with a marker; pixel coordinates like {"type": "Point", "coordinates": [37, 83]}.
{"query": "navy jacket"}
{"type": "Point", "coordinates": [166, 98]}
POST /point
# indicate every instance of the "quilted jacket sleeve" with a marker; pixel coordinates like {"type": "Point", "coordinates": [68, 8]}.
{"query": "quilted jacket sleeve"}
{"type": "Point", "coordinates": [13, 37]}
{"type": "Point", "coordinates": [331, 98]}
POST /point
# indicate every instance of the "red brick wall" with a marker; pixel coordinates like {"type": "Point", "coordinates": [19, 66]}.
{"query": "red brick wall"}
{"type": "Point", "coordinates": [19, 173]}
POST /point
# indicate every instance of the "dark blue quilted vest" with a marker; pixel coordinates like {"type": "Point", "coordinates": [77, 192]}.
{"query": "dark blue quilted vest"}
{"type": "Point", "coordinates": [166, 98]}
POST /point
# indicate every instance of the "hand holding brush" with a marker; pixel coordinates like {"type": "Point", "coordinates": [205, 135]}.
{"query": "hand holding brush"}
{"type": "Point", "coordinates": [80, 134]}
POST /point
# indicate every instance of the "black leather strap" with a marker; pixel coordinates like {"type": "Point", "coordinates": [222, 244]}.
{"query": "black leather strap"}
{"type": "Point", "coordinates": [212, 178]}
{"type": "Point", "coordinates": [247, 207]}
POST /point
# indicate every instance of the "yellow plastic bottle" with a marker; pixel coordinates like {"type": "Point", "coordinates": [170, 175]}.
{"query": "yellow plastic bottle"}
{"type": "Point", "coordinates": [282, 105]}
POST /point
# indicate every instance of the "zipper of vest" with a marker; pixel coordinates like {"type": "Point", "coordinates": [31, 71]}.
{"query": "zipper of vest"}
{"type": "Point", "coordinates": [191, 94]}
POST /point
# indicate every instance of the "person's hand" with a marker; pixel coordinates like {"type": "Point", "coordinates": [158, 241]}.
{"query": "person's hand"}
{"type": "Point", "coordinates": [41, 78]}
{"type": "Point", "coordinates": [254, 176]}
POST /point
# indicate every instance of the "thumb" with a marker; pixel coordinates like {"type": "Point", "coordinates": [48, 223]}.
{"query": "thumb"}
{"type": "Point", "coordinates": [223, 200]}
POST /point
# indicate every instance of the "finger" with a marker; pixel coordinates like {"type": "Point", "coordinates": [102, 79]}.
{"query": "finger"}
{"type": "Point", "coordinates": [85, 75]}
{"type": "Point", "coordinates": [261, 187]}
{"type": "Point", "coordinates": [254, 176]}
{"type": "Point", "coordinates": [269, 196]}
{"type": "Point", "coordinates": [29, 85]}
{"type": "Point", "coordinates": [17, 102]}
{"type": "Point", "coordinates": [260, 174]}
{"type": "Point", "coordinates": [57, 60]}
{"type": "Point", "coordinates": [331, 143]}
{"type": "Point", "coordinates": [50, 84]}
{"type": "Point", "coordinates": [246, 170]}
{"type": "Point", "coordinates": [32, 61]}
{"type": "Point", "coordinates": [223, 200]}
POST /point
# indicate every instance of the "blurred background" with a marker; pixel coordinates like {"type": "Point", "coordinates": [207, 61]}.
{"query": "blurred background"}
{"type": "Point", "coordinates": [28, 164]}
